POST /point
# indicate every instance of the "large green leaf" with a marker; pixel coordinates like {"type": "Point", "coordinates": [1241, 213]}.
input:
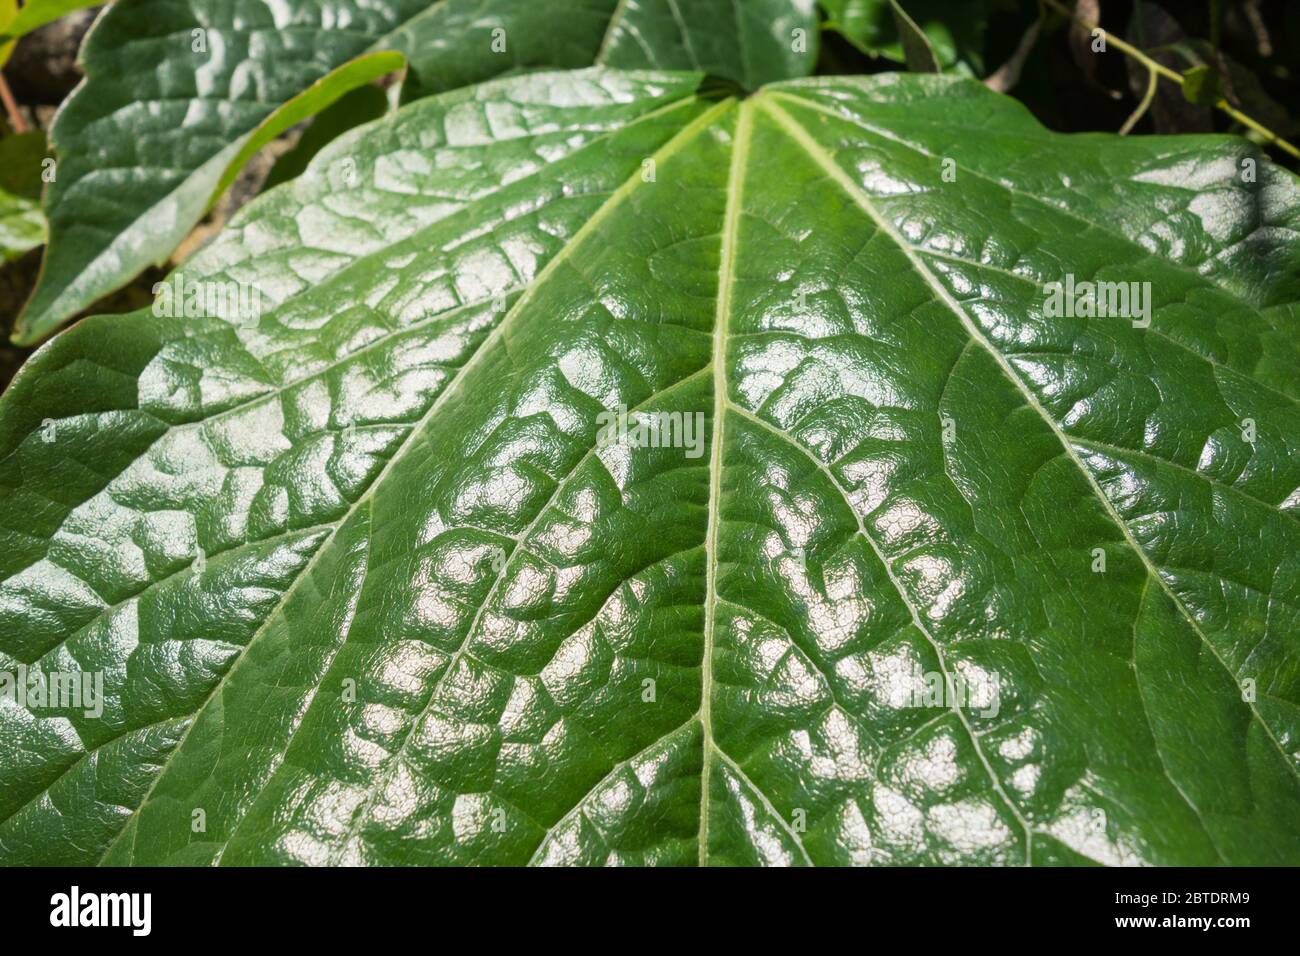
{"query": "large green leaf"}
{"type": "Point", "coordinates": [144, 141]}
{"type": "Point", "coordinates": [369, 580]}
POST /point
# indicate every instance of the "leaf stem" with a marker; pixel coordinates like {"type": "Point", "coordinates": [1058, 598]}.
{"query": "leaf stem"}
{"type": "Point", "coordinates": [1160, 69]}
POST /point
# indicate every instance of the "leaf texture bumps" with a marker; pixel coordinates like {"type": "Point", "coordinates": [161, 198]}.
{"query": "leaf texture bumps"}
{"type": "Point", "coordinates": [366, 586]}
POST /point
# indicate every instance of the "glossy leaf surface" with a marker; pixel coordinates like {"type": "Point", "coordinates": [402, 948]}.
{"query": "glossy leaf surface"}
{"type": "Point", "coordinates": [368, 581]}
{"type": "Point", "coordinates": [174, 90]}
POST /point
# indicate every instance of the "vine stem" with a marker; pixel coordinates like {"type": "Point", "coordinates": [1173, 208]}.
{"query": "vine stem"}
{"type": "Point", "coordinates": [11, 107]}
{"type": "Point", "coordinates": [1152, 80]}
{"type": "Point", "coordinates": [1161, 70]}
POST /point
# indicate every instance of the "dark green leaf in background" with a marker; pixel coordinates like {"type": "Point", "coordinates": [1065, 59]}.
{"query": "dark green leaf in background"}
{"type": "Point", "coordinates": [22, 226]}
{"type": "Point", "coordinates": [146, 139]}
{"type": "Point", "coordinates": [954, 29]}
{"type": "Point", "coordinates": [1201, 85]}
{"type": "Point", "coordinates": [918, 54]}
